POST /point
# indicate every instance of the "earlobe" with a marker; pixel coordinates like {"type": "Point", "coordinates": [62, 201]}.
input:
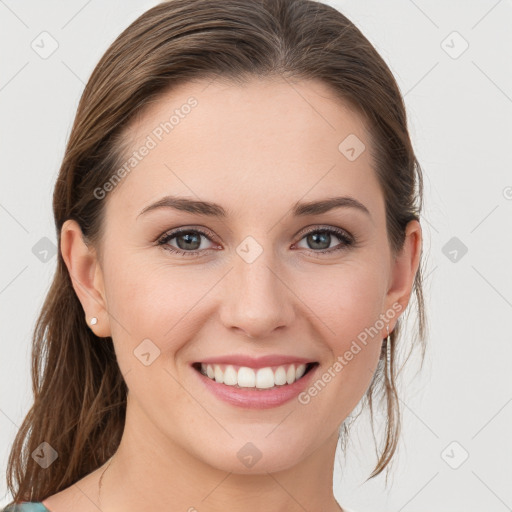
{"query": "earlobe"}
{"type": "Point", "coordinates": [86, 277]}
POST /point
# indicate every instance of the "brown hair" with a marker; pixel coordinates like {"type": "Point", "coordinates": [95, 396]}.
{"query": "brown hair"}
{"type": "Point", "coordinates": [79, 392]}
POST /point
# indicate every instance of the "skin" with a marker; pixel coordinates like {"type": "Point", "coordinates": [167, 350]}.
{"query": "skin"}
{"type": "Point", "coordinates": [256, 150]}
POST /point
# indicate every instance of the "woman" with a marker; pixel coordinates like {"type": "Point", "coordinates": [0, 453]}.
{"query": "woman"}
{"type": "Point", "coordinates": [238, 221]}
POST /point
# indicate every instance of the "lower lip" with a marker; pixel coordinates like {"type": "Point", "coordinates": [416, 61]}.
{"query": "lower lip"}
{"type": "Point", "coordinates": [251, 398]}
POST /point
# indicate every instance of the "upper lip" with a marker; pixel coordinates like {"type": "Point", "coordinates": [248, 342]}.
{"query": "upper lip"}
{"type": "Point", "coordinates": [256, 362]}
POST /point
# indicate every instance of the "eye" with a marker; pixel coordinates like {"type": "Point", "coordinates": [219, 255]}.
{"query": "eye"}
{"type": "Point", "coordinates": [322, 238]}
{"type": "Point", "coordinates": [189, 239]}
{"type": "Point", "coordinates": [190, 244]}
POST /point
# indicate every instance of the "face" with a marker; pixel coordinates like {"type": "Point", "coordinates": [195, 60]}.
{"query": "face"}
{"type": "Point", "coordinates": [257, 274]}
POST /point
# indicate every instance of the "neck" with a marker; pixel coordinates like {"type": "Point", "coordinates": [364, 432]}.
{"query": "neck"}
{"type": "Point", "coordinates": [144, 476]}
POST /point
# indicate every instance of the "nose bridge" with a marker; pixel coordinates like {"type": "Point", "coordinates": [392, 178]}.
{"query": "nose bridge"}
{"type": "Point", "coordinates": [256, 300]}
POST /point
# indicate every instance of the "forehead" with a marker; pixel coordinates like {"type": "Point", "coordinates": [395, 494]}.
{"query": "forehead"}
{"type": "Point", "coordinates": [270, 139]}
{"type": "Point", "coordinates": [251, 112]}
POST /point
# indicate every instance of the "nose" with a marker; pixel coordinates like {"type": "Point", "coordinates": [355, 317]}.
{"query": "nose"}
{"type": "Point", "coordinates": [257, 299]}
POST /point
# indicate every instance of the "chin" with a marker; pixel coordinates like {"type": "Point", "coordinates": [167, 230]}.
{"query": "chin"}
{"type": "Point", "coordinates": [261, 455]}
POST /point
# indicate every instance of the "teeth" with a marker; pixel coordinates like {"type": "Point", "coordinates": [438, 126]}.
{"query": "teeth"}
{"type": "Point", "coordinates": [219, 376]}
{"type": "Point", "coordinates": [245, 377]}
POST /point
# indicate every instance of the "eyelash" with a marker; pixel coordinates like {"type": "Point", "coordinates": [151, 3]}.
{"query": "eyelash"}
{"type": "Point", "coordinates": [346, 239]}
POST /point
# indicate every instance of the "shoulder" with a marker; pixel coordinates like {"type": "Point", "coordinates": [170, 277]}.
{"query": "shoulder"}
{"type": "Point", "coordinates": [27, 506]}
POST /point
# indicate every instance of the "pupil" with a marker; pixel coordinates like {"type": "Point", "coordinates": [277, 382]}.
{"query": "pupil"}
{"type": "Point", "coordinates": [189, 237]}
{"type": "Point", "coordinates": [322, 238]}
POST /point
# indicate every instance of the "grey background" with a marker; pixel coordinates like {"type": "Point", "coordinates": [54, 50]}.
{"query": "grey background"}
{"type": "Point", "coordinates": [459, 107]}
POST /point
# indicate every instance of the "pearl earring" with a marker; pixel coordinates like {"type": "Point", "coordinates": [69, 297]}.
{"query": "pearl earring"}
{"type": "Point", "coordinates": [94, 320]}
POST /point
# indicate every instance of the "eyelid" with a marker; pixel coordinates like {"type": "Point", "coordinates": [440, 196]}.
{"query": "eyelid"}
{"type": "Point", "coordinates": [312, 228]}
{"type": "Point", "coordinates": [185, 229]}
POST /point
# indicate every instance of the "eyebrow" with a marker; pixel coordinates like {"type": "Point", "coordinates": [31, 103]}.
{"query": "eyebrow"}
{"type": "Point", "coordinates": [215, 210]}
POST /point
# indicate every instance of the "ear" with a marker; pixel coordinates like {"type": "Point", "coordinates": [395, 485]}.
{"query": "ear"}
{"type": "Point", "coordinates": [86, 276]}
{"type": "Point", "coordinates": [403, 270]}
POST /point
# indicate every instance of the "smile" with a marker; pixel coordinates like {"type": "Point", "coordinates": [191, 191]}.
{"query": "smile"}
{"type": "Point", "coordinates": [259, 378]}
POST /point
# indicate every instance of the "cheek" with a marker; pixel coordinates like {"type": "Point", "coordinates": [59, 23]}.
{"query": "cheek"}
{"type": "Point", "coordinates": [347, 299]}
{"type": "Point", "coordinates": [348, 302]}
{"type": "Point", "coordinates": [152, 317]}
{"type": "Point", "coordinates": [155, 301]}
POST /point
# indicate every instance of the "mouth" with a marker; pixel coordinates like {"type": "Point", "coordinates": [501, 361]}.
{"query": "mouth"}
{"type": "Point", "coordinates": [269, 377]}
